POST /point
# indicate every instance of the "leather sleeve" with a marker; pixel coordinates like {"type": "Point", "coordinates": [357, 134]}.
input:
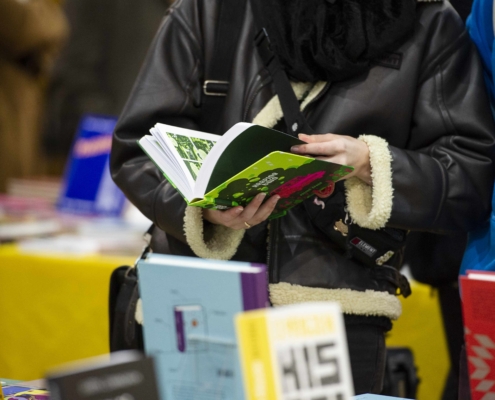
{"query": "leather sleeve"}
{"type": "Point", "coordinates": [444, 181]}
{"type": "Point", "coordinates": [167, 91]}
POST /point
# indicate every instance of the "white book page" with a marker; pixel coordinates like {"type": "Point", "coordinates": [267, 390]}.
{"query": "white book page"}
{"type": "Point", "coordinates": [168, 165]}
{"type": "Point", "coordinates": [186, 147]}
{"type": "Point", "coordinates": [210, 161]}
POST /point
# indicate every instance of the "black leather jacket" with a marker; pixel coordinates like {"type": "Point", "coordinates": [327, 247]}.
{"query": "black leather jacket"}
{"type": "Point", "coordinates": [427, 103]}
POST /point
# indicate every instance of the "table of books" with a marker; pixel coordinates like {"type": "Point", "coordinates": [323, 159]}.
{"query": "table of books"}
{"type": "Point", "coordinates": [54, 309]}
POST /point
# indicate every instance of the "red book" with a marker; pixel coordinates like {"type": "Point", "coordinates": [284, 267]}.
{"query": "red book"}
{"type": "Point", "coordinates": [478, 304]}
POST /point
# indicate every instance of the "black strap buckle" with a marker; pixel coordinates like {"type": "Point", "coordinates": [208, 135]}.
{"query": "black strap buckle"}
{"type": "Point", "coordinates": [215, 88]}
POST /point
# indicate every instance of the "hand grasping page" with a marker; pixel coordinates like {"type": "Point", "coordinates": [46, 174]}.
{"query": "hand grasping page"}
{"type": "Point", "coordinates": [339, 149]}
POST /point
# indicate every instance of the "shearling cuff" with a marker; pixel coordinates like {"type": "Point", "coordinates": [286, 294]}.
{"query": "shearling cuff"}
{"type": "Point", "coordinates": [370, 206]}
{"type": "Point", "coordinates": [223, 242]}
{"type": "Point", "coordinates": [368, 303]}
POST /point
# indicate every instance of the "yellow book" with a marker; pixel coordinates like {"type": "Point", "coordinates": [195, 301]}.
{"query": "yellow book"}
{"type": "Point", "coordinates": [295, 352]}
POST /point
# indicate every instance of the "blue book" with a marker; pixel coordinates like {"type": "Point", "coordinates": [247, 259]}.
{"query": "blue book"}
{"type": "Point", "coordinates": [87, 187]}
{"type": "Point", "coordinates": [189, 306]}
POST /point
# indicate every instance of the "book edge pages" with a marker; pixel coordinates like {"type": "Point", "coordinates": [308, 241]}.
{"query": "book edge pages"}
{"type": "Point", "coordinates": [159, 131]}
{"type": "Point", "coordinates": [148, 148]}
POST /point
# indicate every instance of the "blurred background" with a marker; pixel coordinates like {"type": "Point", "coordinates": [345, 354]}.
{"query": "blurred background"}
{"type": "Point", "coordinates": [61, 62]}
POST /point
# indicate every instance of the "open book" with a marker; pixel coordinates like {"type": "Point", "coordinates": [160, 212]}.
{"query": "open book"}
{"type": "Point", "coordinates": [212, 171]}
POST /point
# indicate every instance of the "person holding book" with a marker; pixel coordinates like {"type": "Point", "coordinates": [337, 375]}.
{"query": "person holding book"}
{"type": "Point", "coordinates": [393, 89]}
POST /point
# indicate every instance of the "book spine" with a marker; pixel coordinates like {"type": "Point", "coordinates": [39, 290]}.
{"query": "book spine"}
{"type": "Point", "coordinates": [249, 295]}
{"type": "Point", "coordinates": [254, 348]}
{"type": "Point", "coordinates": [254, 289]}
{"type": "Point", "coordinates": [262, 286]}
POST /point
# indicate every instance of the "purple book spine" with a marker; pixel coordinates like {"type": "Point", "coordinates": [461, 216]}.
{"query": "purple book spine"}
{"type": "Point", "coordinates": [254, 289]}
{"type": "Point", "coordinates": [179, 331]}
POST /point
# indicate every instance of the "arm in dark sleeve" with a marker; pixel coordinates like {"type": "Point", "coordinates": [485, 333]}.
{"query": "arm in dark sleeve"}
{"type": "Point", "coordinates": [167, 91]}
{"type": "Point", "coordinates": [444, 181]}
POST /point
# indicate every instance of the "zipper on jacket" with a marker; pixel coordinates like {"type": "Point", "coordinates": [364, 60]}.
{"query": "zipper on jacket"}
{"type": "Point", "coordinates": [272, 255]}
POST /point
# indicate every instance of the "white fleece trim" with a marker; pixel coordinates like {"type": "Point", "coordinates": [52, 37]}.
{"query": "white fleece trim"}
{"type": "Point", "coordinates": [223, 243]}
{"type": "Point", "coordinates": [272, 112]}
{"type": "Point", "coordinates": [371, 206]}
{"type": "Point", "coordinates": [368, 303]}
{"type": "Point", "coordinates": [315, 91]}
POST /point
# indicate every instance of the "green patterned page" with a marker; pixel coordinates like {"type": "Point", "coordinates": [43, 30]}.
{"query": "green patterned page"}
{"type": "Point", "coordinates": [294, 178]}
{"type": "Point", "coordinates": [191, 150]}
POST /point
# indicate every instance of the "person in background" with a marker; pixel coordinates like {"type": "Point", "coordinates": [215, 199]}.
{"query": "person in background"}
{"type": "Point", "coordinates": [436, 259]}
{"type": "Point", "coordinates": [395, 91]}
{"type": "Point", "coordinates": [97, 68]}
{"type": "Point", "coordinates": [480, 25]}
{"type": "Point", "coordinates": [31, 35]}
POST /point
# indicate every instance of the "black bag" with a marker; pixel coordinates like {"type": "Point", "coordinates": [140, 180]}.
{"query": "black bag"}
{"type": "Point", "coordinates": [125, 332]}
{"type": "Point", "coordinates": [401, 379]}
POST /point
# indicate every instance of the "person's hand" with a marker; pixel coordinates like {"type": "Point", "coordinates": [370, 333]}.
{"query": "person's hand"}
{"type": "Point", "coordinates": [243, 218]}
{"type": "Point", "coordinates": [339, 149]}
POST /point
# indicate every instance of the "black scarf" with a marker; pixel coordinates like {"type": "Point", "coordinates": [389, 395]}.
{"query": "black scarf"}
{"type": "Point", "coordinates": [333, 40]}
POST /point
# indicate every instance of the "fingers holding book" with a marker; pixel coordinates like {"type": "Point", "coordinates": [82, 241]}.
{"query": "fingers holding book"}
{"type": "Point", "coordinates": [339, 149]}
{"type": "Point", "coordinates": [243, 218]}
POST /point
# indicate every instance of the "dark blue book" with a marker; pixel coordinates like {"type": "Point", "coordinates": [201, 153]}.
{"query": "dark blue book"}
{"type": "Point", "coordinates": [87, 187]}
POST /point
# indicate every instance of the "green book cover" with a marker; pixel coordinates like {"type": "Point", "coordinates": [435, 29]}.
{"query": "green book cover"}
{"type": "Point", "coordinates": [294, 178]}
{"type": "Point", "coordinates": [220, 172]}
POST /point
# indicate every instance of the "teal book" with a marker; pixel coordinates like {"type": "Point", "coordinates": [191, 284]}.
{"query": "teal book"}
{"type": "Point", "coordinates": [188, 312]}
{"type": "Point", "coordinates": [220, 172]}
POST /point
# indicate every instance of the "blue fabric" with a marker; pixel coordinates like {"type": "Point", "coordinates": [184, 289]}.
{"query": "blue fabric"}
{"type": "Point", "coordinates": [480, 250]}
{"type": "Point", "coordinates": [480, 27]}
